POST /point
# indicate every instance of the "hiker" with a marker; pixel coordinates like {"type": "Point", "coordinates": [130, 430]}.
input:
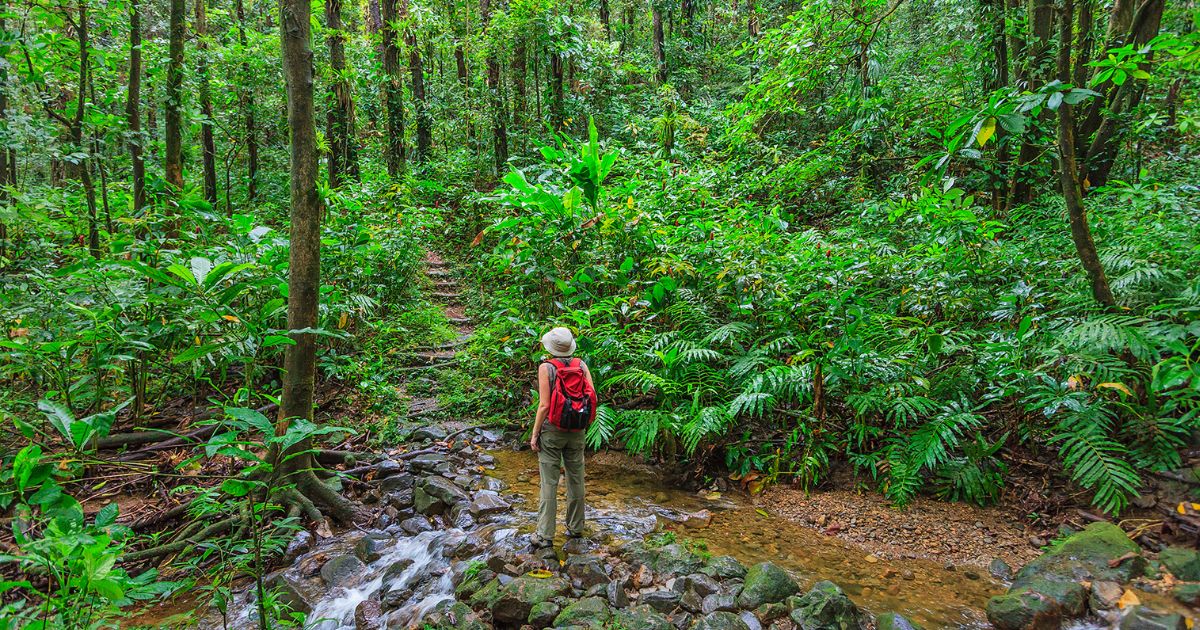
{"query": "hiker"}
{"type": "Point", "coordinates": [566, 407]}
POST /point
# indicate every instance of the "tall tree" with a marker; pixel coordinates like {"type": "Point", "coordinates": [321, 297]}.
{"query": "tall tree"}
{"type": "Point", "coordinates": [520, 104]}
{"type": "Point", "coordinates": [246, 104]}
{"type": "Point", "coordinates": [1038, 68]}
{"type": "Point", "coordinates": [8, 164]}
{"type": "Point", "coordinates": [499, 125]}
{"type": "Point", "coordinates": [393, 91]}
{"type": "Point", "coordinates": [304, 259]}
{"type": "Point", "coordinates": [339, 117]}
{"type": "Point", "coordinates": [75, 126]}
{"type": "Point", "coordinates": [133, 104]}
{"type": "Point", "coordinates": [660, 52]}
{"type": "Point", "coordinates": [207, 147]}
{"type": "Point", "coordinates": [420, 101]}
{"type": "Point", "coordinates": [1068, 171]}
{"type": "Point", "coordinates": [174, 106]}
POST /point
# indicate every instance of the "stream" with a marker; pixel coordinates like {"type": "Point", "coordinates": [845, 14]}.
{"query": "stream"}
{"type": "Point", "coordinates": [410, 572]}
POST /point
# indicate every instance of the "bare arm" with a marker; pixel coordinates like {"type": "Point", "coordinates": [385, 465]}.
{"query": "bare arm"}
{"type": "Point", "coordinates": [543, 404]}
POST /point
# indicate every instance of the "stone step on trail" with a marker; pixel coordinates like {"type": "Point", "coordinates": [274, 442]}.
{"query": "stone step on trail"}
{"type": "Point", "coordinates": [446, 296]}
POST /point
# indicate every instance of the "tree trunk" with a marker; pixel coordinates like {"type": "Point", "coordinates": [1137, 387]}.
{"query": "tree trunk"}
{"type": "Point", "coordinates": [499, 126]}
{"type": "Point", "coordinates": [394, 90]}
{"type": "Point", "coordinates": [246, 104]}
{"type": "Point", "coordinates": [460, 66]}
{"type": "Point", "coordinates": [76, 131]}
{"type": "Point", "coordinates": [605, 19]}
{"type": "Point", "coordinates": [304, 258]}
{"type": "Point", "coordinates": [174, 106]}
{"type": "Point", "coordinates": [520, 108]}
{"type": "Point", "coordinates": [340, 112]}
{"type": "Point", "coordinates": [1081, 234]}
{"type": "Point", "coordinates": [1041, 19]}
{"type": "Point", "coordinates": [558, 114]}
{"type": "Point", "coordinates": [660, 53]}
{"type": "Point", "coordinates": [420, 102]}
{"type": "Point", "coordinates": [208, 148]}
{"type": "Point", "coordinates": [7, 167]}
{"type": "Point", "coordinates": [752, 25]}
{"type": "Point", "coordinates": [133, 104]}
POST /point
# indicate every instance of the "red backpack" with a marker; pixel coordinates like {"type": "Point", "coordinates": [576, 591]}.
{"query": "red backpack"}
{"type": "Point", "coordinates": [572, 398]}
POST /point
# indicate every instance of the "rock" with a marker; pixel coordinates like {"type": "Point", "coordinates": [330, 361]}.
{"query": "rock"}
{"type": "Point", "coordinates": [1183, 563]}
{"type": "Point", "coordinates": [342, 571]}
{"type": "Point", "coordinates": [698, 583]}
{"type": "Point", "coordinates": [642, 618]}
{"type": "Point", "coordinates": [469, 587]}
{"type": "Point", "coordinates": [724, 567]}
{"type": "Point", "coordinates": [1143, 618]}
{"type": "Point", "coordinates": [1187, 594]}
{"type": "Point", "coordinates": [697, 520]}
{"type": "Point", "coordinates": [1037, 604]}
{"type": "Point", "coordinates": [682, 620]}
{"type": "Point", "coordinates": [485, 596]}
{"type": "Point", "coordinates": [643, 577]}
{"type": "Point", "coordinates": [460, 516]}
{"type": "Point", "coordinates": [397, 483]}
{"type": "Point", "coordinates": [579, 544]}
{"type": "Point", "coordinates": [615, 593]}
{"type": "Point", "coordinates": [894, 621]}
{"type": "Point", "coordinates": [292, 592]}
{"type": "Point", "coordinates": [721, 621]}
{"type": "Point", "coordinates": [452, 615]}
{"type": "Point", "coordinates": [542, 614]}
{"type": "Point", "coordinates": [300, 544]}
{"type": "Point", "coordinates": [427, 462]}
{"type": "Point", "coordinates": [415, 525]}
{"type": "Point", "coordinates": [1037, 542]}
{"type": "Point", "coordinates": [516, 599]}
{"type": "Point", "coordinates": [718, 602]}
{"type": "Point", "coordinates": [826, 607]}
{"type": "Point", "coordinates": [586, 571]}
{"type": "Point", "coordinates": [368, 615]}
{"type": "Point", "coordinates": [486, 502]}
{"type": "Point", "coordinates": [1105, 595]}
{"type": "Point", "coordinates": [675, 559]}
{"type": "Point", "coordinates": [370, 548]}
{"type": "Point", "coordinates": [766, 583]}
{"type": "Point", "coordinates": [425, 503]}
{"type": "Point", "coordinates": [387, 468]}
{"type": "Point", "coordinates": [433, 433]}
{"type": "Point", "coordinates": [589, 612]}
{"type": "Point", "coordinates": [750, 620]}
{"type": "Point", "coordinates": [443, 490]}
{"type": "Point", "coordinates": [1086, 556]}
{"type": "Point", "coordinates": [1000, 570]}
{"type": "Point", "coordinates": [663, 601]}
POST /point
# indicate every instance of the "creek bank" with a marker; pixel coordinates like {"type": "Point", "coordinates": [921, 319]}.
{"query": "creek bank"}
{"type": "Point", "coordinates": [1099, 573]}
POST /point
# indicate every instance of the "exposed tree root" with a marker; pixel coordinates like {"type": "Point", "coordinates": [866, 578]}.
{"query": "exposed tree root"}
{"type": "Point", "coordinates": [183, 543]}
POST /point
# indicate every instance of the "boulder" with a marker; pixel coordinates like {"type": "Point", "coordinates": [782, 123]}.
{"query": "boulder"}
{"type": "Point", "coordinates": [368, 615]}
{"type": "Point", "coordinates": [433, 433]}
{"type": "Point", "coordinates": [485, 596]}
{"type": "Point", "coordinates": [397, 483]}
{"type": "Point", "coordinates": [894, 621]}
{"type": "Point", "coordinates": [1104, 595]}
{"type": "Point", "coordinates": [452, 615]}
{"type": "Point", "coordinates": [586, 571]}
{"type": "Point", "coordinates": [721, 621]}
{"type": "Point", "coordinates": [444, 490]}
{"type": "Point", "coordinates": [415, 525]}
{"type": "Point", "coordinates": [642, 618]}
{"type": "Point", "coordinates": [718, 602]}
{"type": "Point", "coordinates": [370, 548]}
{"type": "Point", "coordinates": [826, 607]}
{"type": "Point", "coordinates": [542, 614]}
{"type": "Point", "coordinates": [664, 602]}
{"type": "Point", "coordinates": [516, 599]}
{"type": "Point", "coordinates": [1037, 604]}
{"type": "Point", "coordinates": [292, 592]}
{"type": "Point", "coordinates": [724, 568]}
{"type": "Point", "coordinates": [766, 583]}
{"type": "Point", "coordinates": [343, 571]}
{"type": "Point", "coordinates": [1182, 563]}
{"type": "Point", "coordinates": [300, 544]}
{"type": "Point", "coordinates": [698, 583]}
{"type": "Point", "coordinates": [1187, 594]}
{"type": "Point", "coordinates": [675, 559]}
{"type": "Point", "coordinates": [1086, 555]}
{"type": "Point", "coordinates": [589, 612]}
{"type": "Point", "coordinates": [615, 593]}
{"type": "Point", "coordinates": [425, 503]}
{"type": "Point", "coordinates": [1143, 618]}
{"type": "Point", "coordinates": [427, 462]}
{"type": "Point", "coordinates": [486, 502]}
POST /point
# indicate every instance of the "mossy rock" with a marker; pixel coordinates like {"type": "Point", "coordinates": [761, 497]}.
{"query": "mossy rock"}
{"type": "Point", "coordinates": [516, 599]}
{"type": "Point", "coordinates": [485, 596]}
{"type": "Point", "coordinates": [766, 583]}
{"type": "Point", "coordinates": [1187, 593]}
{"type": "Point", "coordinates": [1182, 563]}
{"type": "Point", "coordinates": [895, 621]}
{"type": "Point", "coordinates": [721, 621]}
{"type": "Point", "coordinates": [642, 618]}
{"type": "Point", "coordinates": [675, 559]}
{"type": "Point", "coordinates": [826, 607]}
{"type": "Point", "coordinates": [542, 614]}
{"type": "Point", "coordinates": [589, 612]}
{"type": "Point", "coordinates": [1086, 555]}
{"type": "Point", "coordinates": [1037, 604]}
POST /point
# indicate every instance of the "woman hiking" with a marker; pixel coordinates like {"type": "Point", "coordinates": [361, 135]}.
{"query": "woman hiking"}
{"type": "Point", "coordinates": [566, 406]}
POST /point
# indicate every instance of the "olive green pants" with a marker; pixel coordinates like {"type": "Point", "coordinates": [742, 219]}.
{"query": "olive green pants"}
{"type": "Point", "coordinates": [560, 449]}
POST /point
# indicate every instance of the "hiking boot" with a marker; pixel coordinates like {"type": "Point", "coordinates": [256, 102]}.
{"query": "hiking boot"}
{"type": "Point", "coordinates": [540, 543]}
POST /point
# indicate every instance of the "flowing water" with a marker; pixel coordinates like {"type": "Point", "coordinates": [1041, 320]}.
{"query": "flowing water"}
{"type": "Point", "coordinates": [621, 490]}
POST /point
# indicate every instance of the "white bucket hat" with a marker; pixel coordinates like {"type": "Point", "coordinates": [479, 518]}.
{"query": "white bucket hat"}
{"type": "Point", "coordinates": [559, 342]}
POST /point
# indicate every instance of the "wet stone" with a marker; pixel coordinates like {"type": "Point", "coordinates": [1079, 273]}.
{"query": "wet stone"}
{"type": "Point", "coordinates": [717, 602]}
{"type": "Point", "coordinates": [301, 544]}
{"type": "Point", "coordinates": [1187, 594]}
{"type": "Point", "coordinates": [368, 615]}
{"type": "Point", "coordinates": [586, 571]}
{"type": "Point", "coordinates": [487, 502]}
{"type": "Point", "coordinates": [724, 567]}
{"type": "Point", "coordinates": [999, 569]}
{"type": "Point", "coordinates": [542, 614]}
{"type": "Point", "coordinates": [589, 612]}
{"type": "Point", "coordinates": [291, 591]}
{"type": "Point", "coordinates": [415, 525]}
{"type": "Point", "coordinates": [1105, 595]}
{"type": "Point", "coordinates": [682, 620]}
{"type": "Point", "coordinates": [579, 545]}
{"type": "Point", "coordinates": [826, 607]}
{"type": "Point", "coordinates": [370, 547]}
{"type": "Point", "coordinates": [642, 618]}
{"type": "Point", "coordinates": [427, 462]}
{"type": "Point", "coordinates": [697, 583]}
{"type": "Point", "coordinates": [895, 621]}
{"type": "Point", "coordinates": [1182, 563]}
{"type": "Point", "coordinates": [766, 583]}
{"type": "Point", "coordinates": [662, 601]}
{"type": "Point", "coordinates": [443, 490]}
{"type": "Point", "coordinates": [432, 433]}
{"type": "Point", "coordinates": [397, 483]}
{"type": "Point", "coordinates": [750, 620]}
{"type": "Point", "coordinates": [675, 559]}
{"type": "Point", "coordinates": [1143, 618]}
{"type": "Point", "coordinates": [342, 571]}
{"type": "Point", "coordinates": [615, 593]}
{"type": "Point", "coordinates": [387, 468]}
